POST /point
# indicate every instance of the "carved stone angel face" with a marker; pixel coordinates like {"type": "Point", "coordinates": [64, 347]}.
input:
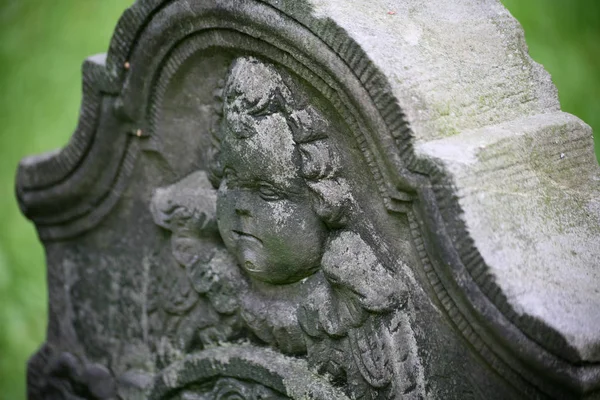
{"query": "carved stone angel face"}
{"type": "Point", "coordinates": [264, 209]}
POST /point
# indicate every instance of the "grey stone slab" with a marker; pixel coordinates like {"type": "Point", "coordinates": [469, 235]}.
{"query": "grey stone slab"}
{"type": "Point", "coordinates": [310, 199]}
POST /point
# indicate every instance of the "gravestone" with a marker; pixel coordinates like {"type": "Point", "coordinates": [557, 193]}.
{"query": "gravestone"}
{"type": "Point", "coordinates": [269, 199]}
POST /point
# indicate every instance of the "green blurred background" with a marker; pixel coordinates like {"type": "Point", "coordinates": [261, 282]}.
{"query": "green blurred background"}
{"type": "Point", "coordinates": [42, 45]}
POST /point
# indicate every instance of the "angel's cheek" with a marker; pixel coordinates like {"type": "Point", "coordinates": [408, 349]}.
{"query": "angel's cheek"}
{"type": "Point", "coordinates": [291, 240]}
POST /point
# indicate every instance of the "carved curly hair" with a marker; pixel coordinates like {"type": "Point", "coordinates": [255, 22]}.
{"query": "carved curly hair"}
{"type": "Point", "coordinates": [320, 167]}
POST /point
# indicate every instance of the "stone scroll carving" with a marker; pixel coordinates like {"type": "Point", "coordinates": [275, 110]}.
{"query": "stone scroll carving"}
{"type": "Point", "coordinates": [318, 200]}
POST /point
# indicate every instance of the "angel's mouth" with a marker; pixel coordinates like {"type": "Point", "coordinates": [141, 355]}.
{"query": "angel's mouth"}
{"type": "Point", "coordinates": [239, 235]}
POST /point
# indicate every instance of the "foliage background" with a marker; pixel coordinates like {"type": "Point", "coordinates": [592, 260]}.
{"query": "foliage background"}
{"type": "Point", "coordinates": [42, 45]}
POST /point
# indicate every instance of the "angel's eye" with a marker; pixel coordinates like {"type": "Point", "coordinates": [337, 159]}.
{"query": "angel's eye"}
{"type": "Point", "coordinates": [269, 193]}
{"type": "Point", "coordinates": [261, 112]}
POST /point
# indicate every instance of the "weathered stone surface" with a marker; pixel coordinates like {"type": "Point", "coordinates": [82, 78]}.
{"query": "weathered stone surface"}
{"type": "Point", "coordinates": [452, 66]}
{"type": "Point", "coordinates": [307, 199]}
{"type": "Point", "coordinates": [530, 191]}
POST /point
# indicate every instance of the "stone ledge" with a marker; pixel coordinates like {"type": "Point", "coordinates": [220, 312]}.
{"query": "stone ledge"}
{"type": "Point", "coordinates": [529, 191]}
